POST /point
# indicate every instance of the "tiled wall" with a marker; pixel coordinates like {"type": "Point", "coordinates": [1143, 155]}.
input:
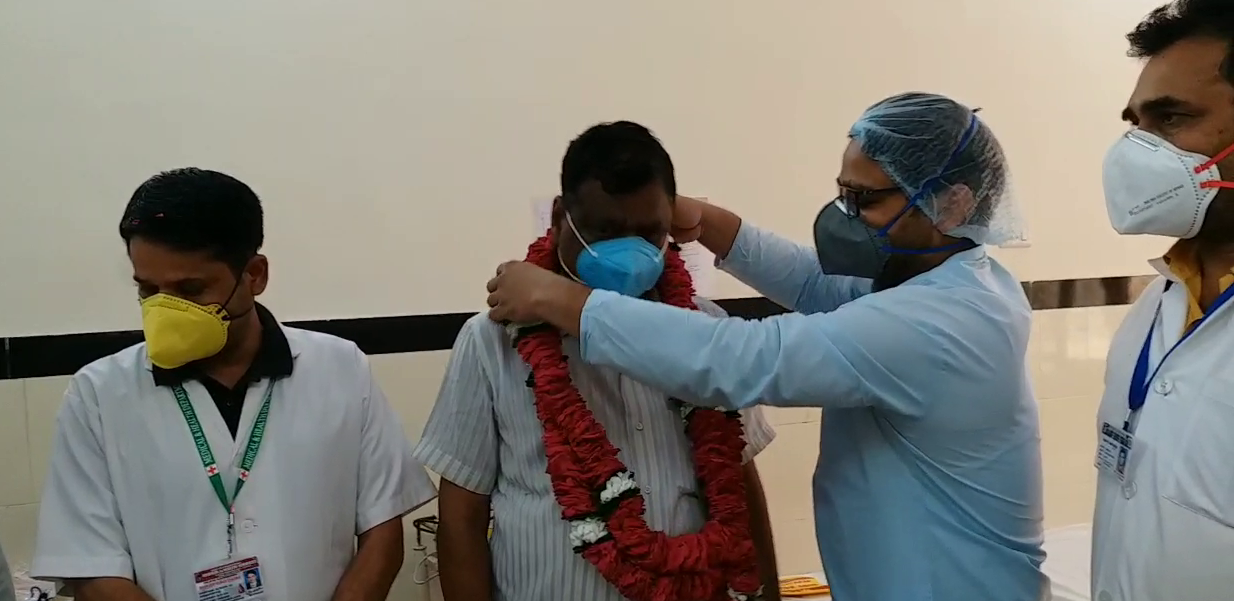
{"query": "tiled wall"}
{"type": "Point", "coordinates": [1067, 358]}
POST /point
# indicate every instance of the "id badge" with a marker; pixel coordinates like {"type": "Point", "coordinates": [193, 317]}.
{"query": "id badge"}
{"type": "Point", "coordinates": [1114, 451]}
{"type": "Point", "coordinates": [239, 580]}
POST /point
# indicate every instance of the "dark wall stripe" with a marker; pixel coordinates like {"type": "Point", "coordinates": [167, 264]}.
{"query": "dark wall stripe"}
{"type": "Point", "coordinates": [58, 355]}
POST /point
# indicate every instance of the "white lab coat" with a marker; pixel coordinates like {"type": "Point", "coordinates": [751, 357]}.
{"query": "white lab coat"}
{"type": "Point", "coordinates": [126, 495]}
{"type": "Point", "coordinates": [1168, 532]}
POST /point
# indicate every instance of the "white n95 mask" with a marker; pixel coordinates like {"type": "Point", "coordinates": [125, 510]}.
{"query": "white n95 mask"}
{"type": "Point", "coordinates": [1154, 187]}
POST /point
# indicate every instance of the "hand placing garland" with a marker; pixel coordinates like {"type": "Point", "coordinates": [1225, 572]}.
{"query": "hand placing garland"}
{"type": "Point", "coordinates": [601, 499]}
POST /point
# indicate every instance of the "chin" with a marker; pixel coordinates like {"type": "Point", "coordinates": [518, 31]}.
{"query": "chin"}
{"type": "Point", "coordinates": [897, 270]}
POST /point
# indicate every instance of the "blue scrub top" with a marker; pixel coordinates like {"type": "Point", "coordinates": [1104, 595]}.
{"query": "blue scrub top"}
{"type": "Point", "coordinates": [928, 484]}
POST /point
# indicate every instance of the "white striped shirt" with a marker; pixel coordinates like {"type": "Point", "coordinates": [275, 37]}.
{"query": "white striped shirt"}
{"type": "Point", "coordinates": [484, 436]}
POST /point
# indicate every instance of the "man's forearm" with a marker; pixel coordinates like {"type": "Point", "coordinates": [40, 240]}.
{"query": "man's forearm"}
{"type": "Point", "coordinates": [720, 227]}
{"type": "Point", "coordinates": [378, 559]}
{"type": "Point", "coordinates": [465, 559]}
{"type": "Point", "coordinates": [108, 589]}
{"type": "Point", "coordinates": [563, 308]}
{"type": "Point", "coordinates": [760, 530]}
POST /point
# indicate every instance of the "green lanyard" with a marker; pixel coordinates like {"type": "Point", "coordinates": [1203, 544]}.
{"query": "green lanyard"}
{"type": "Point", "coordinates": [207, 456]}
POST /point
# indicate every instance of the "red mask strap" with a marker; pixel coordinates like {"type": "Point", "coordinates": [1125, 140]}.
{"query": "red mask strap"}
{"type": "Point", "coordinates": [1220, 156]}
{"type": "Point", "coordinates": [1217, 184]}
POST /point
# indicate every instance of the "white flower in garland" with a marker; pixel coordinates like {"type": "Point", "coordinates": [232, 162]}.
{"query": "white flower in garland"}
{"type": "Point", "coordinates": [686, 410]}
{"type": "Point", "coordinates": [619, 484]}
{"type": "Point", "coordinates": [586, 531]}
{"type": "Point", "coordinates": [736, 596]}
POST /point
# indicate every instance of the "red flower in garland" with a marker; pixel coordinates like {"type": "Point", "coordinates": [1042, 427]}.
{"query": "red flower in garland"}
{"type": "Point", "coordinates": [600, 498]}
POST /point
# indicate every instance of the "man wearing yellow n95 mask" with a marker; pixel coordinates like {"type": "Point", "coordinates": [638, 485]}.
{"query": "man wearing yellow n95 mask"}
{"type": "Point", "coordinates": [179, 331]}
{"type": "Point", "coordinates": [228, 452]}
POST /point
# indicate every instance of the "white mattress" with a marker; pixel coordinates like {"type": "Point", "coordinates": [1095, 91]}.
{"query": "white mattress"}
{"type": "Point", "coordinates": [1067, 563]}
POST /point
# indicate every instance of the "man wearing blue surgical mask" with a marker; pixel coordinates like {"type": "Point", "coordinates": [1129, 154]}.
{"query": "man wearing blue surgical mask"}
{"type": "Point", "coordinates": [629, 264]}
{"type": "Point", "coordinates": [518, 425]}
{"type": "Point", "coordinates": [930, 463]}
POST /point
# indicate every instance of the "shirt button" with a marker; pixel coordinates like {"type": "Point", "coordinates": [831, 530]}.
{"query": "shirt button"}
{"type": "Point", "coordinates": [1105, 596]}
{"type": "Point", "coordinates": [639, 426]}
{"type": "Point", "coordinates": [1129, 490]}
{"type": "Point", "coordinates": [248, 526]}
{"type": "Point", "coordinates": [1164, 387]}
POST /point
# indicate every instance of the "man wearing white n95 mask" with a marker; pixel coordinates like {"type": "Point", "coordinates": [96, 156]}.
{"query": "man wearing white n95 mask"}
{"type": "Point", "coordinates": [227, 456]}
{"type": "Point", "coordinates": [1164, 521]}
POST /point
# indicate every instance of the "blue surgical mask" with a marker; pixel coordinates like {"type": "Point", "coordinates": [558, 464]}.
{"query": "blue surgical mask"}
{"type": "Point", "coordinates": [629, 266]}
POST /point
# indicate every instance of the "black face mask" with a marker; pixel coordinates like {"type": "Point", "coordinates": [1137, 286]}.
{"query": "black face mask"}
{"type": "Point", "coordinates": [847, 246]}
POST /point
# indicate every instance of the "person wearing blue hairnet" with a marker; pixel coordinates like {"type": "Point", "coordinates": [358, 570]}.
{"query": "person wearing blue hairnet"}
{"type": "Point", "coordinates": [928, 484]}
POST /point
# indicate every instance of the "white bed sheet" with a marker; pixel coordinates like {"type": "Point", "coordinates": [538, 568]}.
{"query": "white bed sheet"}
{"type": "Point", "coordinates": [1067, 563]}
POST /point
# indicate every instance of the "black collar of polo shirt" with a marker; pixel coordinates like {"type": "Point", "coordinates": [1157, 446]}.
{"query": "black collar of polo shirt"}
{"type": "Point", "coordinates": [273, 360]}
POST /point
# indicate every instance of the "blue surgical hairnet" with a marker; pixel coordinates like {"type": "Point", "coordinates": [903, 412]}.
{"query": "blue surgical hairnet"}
{"type": "Point", "coordinates": [939, 153]}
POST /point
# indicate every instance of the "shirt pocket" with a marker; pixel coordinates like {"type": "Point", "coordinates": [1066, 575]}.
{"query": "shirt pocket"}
{"type": "Point", "coordinates": [1202, 480]}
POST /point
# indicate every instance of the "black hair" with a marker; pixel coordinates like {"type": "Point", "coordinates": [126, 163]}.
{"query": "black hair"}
{"type": "Point", "coordinates": [196, 210]}
{"type": "Point", "coordinates": [1182, 20]}
{"type": "Point", "coordinates": [623, 156]}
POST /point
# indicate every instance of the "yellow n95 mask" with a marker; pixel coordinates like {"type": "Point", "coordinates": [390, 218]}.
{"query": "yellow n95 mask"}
{"type": "Point", "coordinates": [179, 332]}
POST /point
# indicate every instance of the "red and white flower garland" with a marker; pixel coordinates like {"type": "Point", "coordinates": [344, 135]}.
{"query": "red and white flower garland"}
{"type": "Point", "coordinates": [601, 499]}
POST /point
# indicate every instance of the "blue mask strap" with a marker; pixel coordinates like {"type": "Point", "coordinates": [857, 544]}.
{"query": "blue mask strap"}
{"type": "Point", "coordinates": [912, 202]}
{"type": "Point", "coordinates": [925, 188]}
{"type": "Point", "coordinates": [960, 245]}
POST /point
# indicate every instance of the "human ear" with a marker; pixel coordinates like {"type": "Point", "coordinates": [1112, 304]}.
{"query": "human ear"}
{"type": "Point", "coordinates": [956, 204]}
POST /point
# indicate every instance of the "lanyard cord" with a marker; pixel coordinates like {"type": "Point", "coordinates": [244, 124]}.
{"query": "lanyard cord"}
{"type": "Point", "coordinates": [1140, 376]}
{"type": "Point", "coordinates": [208, 462]}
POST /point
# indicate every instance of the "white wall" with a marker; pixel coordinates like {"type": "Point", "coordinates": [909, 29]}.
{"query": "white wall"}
{"type": "Point", "coordinates": [398, 144]}
{"type": "Point", "coordinates": [387, 134]}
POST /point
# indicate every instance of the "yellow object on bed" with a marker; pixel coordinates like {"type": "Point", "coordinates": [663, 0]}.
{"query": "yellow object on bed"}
{"type": "Point", "coordinates": [802, 586]}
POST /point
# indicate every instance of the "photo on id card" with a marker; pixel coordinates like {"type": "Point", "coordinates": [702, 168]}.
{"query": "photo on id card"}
{"type": "Point", "coordinates": [1118, 452]}
{"type": "Point", "coordinates": [239, 580]}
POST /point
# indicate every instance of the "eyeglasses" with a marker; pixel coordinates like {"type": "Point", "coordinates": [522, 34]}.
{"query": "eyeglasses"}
{"type": "Point", "coordinates": [851, 202]}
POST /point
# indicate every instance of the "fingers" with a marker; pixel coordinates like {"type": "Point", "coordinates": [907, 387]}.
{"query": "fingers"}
{"type": "Point", "coordinates": [495, 281]}
{"type": "Point", "coordinates": [495, 311]}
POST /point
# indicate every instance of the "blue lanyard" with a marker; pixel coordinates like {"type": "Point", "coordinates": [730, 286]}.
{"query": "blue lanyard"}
{"type": "Point", "coordinates": [1140, 378]}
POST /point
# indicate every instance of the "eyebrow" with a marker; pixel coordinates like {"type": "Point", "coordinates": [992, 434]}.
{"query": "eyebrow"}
{"type": "Point", "coordinates": [1156, 106]}
{"type": "Point", "coordinates": [179, 282]}
{"type": "Point", "coordinates": [857, 187]}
